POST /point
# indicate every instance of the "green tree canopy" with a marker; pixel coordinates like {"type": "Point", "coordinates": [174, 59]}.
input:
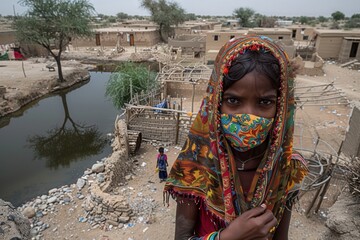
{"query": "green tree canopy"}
{"type": "Point", "coordinates": [353, 22]}
{"type": "Point", "coordinates": [52, 23]}
{"type": "Point", "coordinates": [244, 14]}
{"type": "Point", "coordinates": [190, 16]}
{"type": "Point", "coordinates": [338, 16]}
{"type": "Point", "coordinates": [165, 15]}
{"type": "Point", "coordinates": [129, 78]}
{"type": "Point", "coordinates": [356, 15]}
{"type": "Point", "coordinates": [322, 19]}
{"type": "Point", "coordinates": [122, 15]}
{"type": "Point", "coordinates": [304, 20]}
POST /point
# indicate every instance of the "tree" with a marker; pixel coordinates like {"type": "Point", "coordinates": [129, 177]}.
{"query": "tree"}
{"type": "Point", "coordinates": [165, 15]}
{"type": "Point", "coordinates": [122, 15]}
{"type": "Point", "coordinates": [190, 16]}
{"type": "Point", "coordinates": [353, 22]}
{"type": "Point", "coordinates": [244, 14]}
{"type": "Point", "coordinates": [264, 21]}
{"type": "Point", "coordinates": [52, 23]}
{"type": "Point", "coordinates": [322, 19]}
{"type": "Point", "coordinates": [304, 20]}
{"type": "Point", "coordinates": [129, 78]}
{"type": "Point", "coordinates": [338, 16]}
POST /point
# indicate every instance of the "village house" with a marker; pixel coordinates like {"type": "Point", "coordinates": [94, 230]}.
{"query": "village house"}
{"type": "Point", "coordinates": [342, 45]}
{"type": "Point", "coordinates": [120, 36]}
{"type": "Point", "coordinates": [217, 38]}
{"type": "Point", "coordinates": [194, 27]}
{"type": "Point", "coordinates": [301, 32]}
{"type": "Point", "coordinates": [191, 45]}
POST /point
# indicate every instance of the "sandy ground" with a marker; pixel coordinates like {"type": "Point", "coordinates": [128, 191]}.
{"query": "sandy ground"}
{"type": "Point", "coordinates": [25, 81]}
{"type": "Point", "coordinates": [311, 121]}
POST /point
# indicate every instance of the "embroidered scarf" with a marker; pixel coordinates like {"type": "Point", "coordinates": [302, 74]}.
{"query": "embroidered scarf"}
{"type": "Point", "coordinates": [205, 169]}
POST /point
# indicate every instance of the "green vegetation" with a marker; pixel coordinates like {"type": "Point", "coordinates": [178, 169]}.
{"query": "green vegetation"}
{"type": "Point", "coordinates": [53, 23]}
{"type": "Point", "coordinates": [165, 15]}
{"type": "Point", "coordinates": [244, 14]}
{"type": "Point", "coordinates": [129, 78]}
{"type": "Point", "coordinates": [338, 16]}
{"type": "Point", "coordinates": [353, 22]}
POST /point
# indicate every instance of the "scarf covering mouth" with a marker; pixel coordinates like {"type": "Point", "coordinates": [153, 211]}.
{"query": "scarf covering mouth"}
{"type": "Point", "coordinates": [205, 169]}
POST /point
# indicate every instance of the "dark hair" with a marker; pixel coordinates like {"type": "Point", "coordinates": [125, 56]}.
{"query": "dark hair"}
{"type": "Point", "coordinates": [161, 150]}
{"type": "Point", "coordinates": [262, 62]}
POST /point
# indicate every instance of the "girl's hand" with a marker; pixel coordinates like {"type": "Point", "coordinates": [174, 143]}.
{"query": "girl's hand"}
{"type": "Point", "coordinates": [253, 224]}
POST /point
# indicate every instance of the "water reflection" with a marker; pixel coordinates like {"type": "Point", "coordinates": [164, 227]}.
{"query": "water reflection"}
{"type": "Point", "coordinates": [69, 142]}
{"type": "Point", "coordinates": [51, 142]}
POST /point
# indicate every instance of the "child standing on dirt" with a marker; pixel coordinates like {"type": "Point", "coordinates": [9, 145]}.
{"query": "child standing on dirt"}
{"type": "Point", "coordinates": [162, 164]}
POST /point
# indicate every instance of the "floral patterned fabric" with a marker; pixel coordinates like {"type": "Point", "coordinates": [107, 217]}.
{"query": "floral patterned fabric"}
{"type": "Point", "coordinates": [245, 131]}
{"type": "Point", "coordinates": [205, 169]}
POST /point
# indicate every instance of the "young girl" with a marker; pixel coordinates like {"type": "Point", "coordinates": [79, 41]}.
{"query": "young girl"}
{"type": "Point", "coordinates": [236, 172]}
{"type": "Point", "coordinates": [162, 164]}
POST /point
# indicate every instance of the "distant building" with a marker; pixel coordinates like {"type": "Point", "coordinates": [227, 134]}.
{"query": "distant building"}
{"type": "Point", "coordinates": [338, 44]}
{"type": "Point", "coordinates": [120, 36]}
{"type": "Point", "coordinates": [191, 45]}
{"type": "Point", "coordinates": [232, 23]}
{"type": "Point", "coordinates": [194, 27]}
{"type": "Point", "coordinates": [217, 38]}
{"type": "Point", "coordinates": [283, 23]}
{"type": "Point", "coordinates": [301, 32]}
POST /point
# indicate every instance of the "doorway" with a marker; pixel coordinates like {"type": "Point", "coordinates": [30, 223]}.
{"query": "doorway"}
{"type": "Point", "coordinates": [97, 36]}
{"type": "Point", "coordinates": [354, 49]}
{"type": "Point", "coordinates": [132, 40]}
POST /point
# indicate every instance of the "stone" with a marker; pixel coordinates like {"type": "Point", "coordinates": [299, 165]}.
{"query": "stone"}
{"type": "Point", "coordinates": [52, 191]}
{"type": "Point", "coordinates": [111, 222]}
{"type": "Point", "coordinates": [52, 199]}
{"type": "Point", "coordinates": [18, 226]}
{"type": "Point", "coordinates": [123, 219]}
{"type": "Point", "coordinates": [98, 168]}
{"type": "Point", "coordinates": [29, 212]}
{"type": "Point", "coordinates": [80, 183]}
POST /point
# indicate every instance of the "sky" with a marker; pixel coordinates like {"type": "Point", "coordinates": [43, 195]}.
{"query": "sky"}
{"type": "Point", "coordinates": [218, 7]}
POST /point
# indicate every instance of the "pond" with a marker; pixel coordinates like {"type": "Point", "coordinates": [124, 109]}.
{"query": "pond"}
{"type": "Point", "coordinates": [51, 142]}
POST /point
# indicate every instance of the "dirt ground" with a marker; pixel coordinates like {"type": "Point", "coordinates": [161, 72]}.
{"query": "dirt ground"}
{"type": "Point", "coordinates": [329, 122]}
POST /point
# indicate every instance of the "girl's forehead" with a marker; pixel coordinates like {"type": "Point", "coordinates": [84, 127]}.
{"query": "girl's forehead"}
{"type": "Point", "coordinates": [252, 83]}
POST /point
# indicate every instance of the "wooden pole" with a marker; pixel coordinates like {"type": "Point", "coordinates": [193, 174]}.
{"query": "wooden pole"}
{"type": "Point", "coordinates": [131, 90]}
{"type": "Point", "coordinates": [181, 103]}
{"type": "Point", "coordinates": [154, 108]}
{"type": "Point", "coordinates": [177, 126]}
{"type": "Point", "coordinates": [192, 98]}
{"type": "Point", "coordinates": [22, 65]}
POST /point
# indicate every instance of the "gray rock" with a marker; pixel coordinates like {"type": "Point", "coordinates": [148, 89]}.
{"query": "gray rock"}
{"type": "Point", "coordinates": [343, 220]}
{"type": "Point", "coordinates": [52, 199]}
{"type": "Point", "coordinates": [100, 177]}
{"type": "Point", "coordinates": [18, 226]}
{"type": "Point", "coordinates": [123, 219]}
{"type": "Point", "coordinates": [98, 168]}
{"type": "Point", "coordinates": [29, 212]}
{"type": "Point", "coordinates": [80, 183]}
{"type": "Point", "coordinates": [52, 191]}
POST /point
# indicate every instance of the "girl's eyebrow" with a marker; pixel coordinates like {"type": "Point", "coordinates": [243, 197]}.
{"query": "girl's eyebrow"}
{"type": "Point", "coordinates": [269, 96]}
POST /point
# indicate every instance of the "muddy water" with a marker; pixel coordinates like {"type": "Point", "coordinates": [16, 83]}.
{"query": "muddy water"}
{"type": "Point", "coordinates": [52, 141]}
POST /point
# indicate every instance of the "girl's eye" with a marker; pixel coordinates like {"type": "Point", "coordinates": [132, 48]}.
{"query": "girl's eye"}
{"type": "Point", "coordinates": [232, 101]}
{"type": "Point", "coordinates": [266, 102]}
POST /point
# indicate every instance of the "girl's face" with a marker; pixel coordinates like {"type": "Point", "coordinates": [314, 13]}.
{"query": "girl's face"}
{"type": "Point", "coordinates": [253, 94]}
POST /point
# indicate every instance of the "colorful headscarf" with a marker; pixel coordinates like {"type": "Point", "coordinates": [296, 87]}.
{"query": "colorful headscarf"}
{"type": "Point", "coordinates": [205, 170]}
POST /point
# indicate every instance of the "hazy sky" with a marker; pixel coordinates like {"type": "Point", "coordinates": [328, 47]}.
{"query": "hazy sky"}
{"type": "Point", "coordinates": [220, 7]}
